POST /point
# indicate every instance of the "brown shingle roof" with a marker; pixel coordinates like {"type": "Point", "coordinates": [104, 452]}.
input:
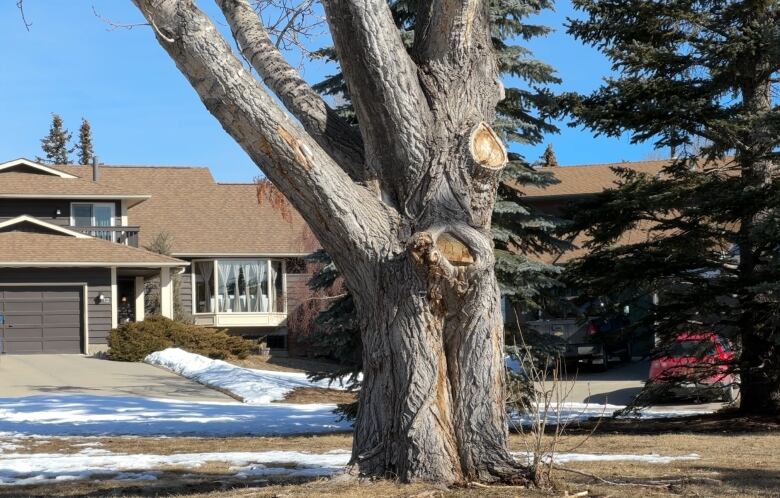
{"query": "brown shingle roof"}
{"type": "Point", "coordinates": [204, 217]}
{"type": "Point", "coordinates": [588, 178]}
{"type": "Point", "coordinates": [21, 184]}
{"type": "Point", "coordinates": [25, 248]}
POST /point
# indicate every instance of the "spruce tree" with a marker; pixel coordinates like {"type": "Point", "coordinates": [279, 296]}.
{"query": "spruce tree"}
{"type": "Point", "coordinates": [548, 159]}
{"type": "Point", "coordinates": [518, 231]}
{"type": "Point", "coordinates": [84, 146]}
{"type": "Point", "coordinates": [698, 78]}
{"type": "Point", "coordinates": [55, 144]}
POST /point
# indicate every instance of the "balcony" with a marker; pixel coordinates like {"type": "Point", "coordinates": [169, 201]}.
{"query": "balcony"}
{"type": "Point", "coordinates": [120, 235]}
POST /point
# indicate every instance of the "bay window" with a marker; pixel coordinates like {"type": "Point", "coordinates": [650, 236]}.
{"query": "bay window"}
{"type": "Point", "coordinates": [225, 286]}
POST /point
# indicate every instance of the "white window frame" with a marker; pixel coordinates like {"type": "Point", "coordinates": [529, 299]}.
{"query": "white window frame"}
{"type": "Point", "coordinates": [215, 268]}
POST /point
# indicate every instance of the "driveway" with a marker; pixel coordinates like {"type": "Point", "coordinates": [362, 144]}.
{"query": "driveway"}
{"type": "Point", "coordinates": [30, 375]}
{"type": "Point", "coordinates": [619, 385]}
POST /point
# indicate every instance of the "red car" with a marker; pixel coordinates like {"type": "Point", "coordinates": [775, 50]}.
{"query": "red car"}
{"type": "Point", "coordinates": [697, 364]}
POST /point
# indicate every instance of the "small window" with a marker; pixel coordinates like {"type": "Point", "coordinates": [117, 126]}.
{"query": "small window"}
{"type": "Point", "coordinates": [204, 286]}
{"type": "Point", "coordinates": [276, 341]}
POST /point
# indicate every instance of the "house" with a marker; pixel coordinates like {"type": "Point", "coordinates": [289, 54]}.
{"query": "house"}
{"type": "Point", "coordinates": [578, 184]}
{"type": "Point", "coordinates": [73, 263]}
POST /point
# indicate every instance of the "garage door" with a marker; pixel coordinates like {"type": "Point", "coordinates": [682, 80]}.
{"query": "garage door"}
{"type": "Point", "coordinates": [40, 319]}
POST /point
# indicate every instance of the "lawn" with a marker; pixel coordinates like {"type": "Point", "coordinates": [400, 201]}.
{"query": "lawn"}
{"type": "Point", "coordinates": [744, 465]}
{"type": "Point", "coordinates": [81, 445]}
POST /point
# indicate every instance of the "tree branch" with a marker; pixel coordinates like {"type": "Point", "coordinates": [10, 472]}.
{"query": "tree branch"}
{"type": "Point", "coordinates": [453, 44]}
{"type": "Point", "coordinates": [346, 218]}
{"type": "Point", "coordinates": [447, 28]}
{"type": "Point", "coordinates": [20, 6]}
{"type": "Point", "coordinates": [332, 133]}
{"type": "Point", "coordinates": [392, 110]}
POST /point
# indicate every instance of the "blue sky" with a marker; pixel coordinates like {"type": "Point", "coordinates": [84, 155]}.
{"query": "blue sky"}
{"type": "Point", "coordinates": [142, 111]}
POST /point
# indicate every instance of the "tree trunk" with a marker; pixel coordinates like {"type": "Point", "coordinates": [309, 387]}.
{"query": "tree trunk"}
{"type": "Point", "coordinates": [432, 399]}
{"type": "Point", "coordinates": [759, 361]}
{"type": "Point", "coordinates": [759, 374]}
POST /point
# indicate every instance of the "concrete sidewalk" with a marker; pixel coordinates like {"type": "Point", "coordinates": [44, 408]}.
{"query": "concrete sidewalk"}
{"type": "Point", "coordinates": [30, 375]}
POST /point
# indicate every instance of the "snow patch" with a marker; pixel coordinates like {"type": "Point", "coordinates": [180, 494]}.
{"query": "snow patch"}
{"type": "Point", "coordinates": [86, 415]}
{"type": "Point", "coordinates": [580, 412]}
{"type": "Point", "coordinates": [587, 457]}
{"type": "Point", "coordinates": [249, 385]}
{"type": "Point", "coordinates": [21, 469]}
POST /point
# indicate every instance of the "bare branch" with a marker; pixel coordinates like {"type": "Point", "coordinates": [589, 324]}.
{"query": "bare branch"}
{"type": "Point", "coordinates": [112, 25]}
{"type": "Point", "coordinates": [392, 110]}
{"type": "Point", "coordinates": [346, 218]}
{"type": "Point", "coordinates": [331, 132]}
{"type": "Point", "coordinates": [290, 22]}
{"type": "Point", "coordinates": [20, 6]}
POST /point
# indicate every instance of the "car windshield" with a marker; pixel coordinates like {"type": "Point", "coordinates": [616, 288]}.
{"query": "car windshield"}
{"type": "Point", "coordinates": [685, 349]}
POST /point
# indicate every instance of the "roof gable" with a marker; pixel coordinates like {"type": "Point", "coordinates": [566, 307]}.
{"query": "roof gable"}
{"type": "Point", "coordinates": [25, 165]}
{"type": "Point", "coordinates": [42, 226]}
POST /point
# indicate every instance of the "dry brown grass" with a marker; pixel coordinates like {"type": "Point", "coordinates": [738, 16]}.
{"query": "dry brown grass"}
{"type": "Point", "coordinates": [737, 465]}
{"type": "Point", "coordinates": [285, 364]}
{"type": "Point", "coordinates": [306, 395]}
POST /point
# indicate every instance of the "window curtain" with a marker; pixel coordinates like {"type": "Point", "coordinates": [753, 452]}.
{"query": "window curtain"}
{"type": "Point", "coordinates": [225, 271]}
{"type": "Point", "coordinates": [206, 270]}
{"type": "Point", "coordinates": [262, 286]}
{"type": "Point", "coordinates": [272, 286]}
{"type": "Point", "coordinates": [244, 286]}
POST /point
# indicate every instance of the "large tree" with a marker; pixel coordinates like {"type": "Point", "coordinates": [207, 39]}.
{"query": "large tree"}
{"type": "Point", "coordinates": [700, 78]}
{"type": "Point", "coordinates": [518, 229]}
{"type": "Point", "coordinates": [422, 167]}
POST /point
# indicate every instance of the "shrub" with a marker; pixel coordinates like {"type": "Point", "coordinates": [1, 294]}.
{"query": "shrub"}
{"type": "Point", "coordinates": [134, 341]}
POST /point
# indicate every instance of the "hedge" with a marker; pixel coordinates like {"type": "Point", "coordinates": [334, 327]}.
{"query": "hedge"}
{"type": "Point", "coordinates": [134, 341]}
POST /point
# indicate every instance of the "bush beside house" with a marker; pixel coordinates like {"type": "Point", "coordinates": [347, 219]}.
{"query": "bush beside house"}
{"type": "Point", "coordinates": [134, 341]}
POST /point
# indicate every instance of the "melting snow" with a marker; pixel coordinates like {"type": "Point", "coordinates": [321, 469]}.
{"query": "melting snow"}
{"type": "Point", "coordinates": [251, 386]}
{"type": "Point", "coordinates": [578, 412]}
{"type": "Point", "coordinates": [84, 415]}
{"type": "Point", "coordinates": [587, 457]}
{"type": "Point", "coordinates": [21, 469]}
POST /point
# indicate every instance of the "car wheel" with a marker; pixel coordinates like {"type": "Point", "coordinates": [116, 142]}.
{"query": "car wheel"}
{"type": "Point", "coordinates": [730, 393]}
{"type": "Point", "coordinates": [604, 358]}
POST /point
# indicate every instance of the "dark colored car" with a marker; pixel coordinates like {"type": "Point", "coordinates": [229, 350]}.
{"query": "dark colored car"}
{"type": "Point", "coordinates": [595, 342]}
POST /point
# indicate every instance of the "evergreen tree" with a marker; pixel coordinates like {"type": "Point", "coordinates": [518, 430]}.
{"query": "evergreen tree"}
{"type": "Point", "coordinates": [518, 230]}
{"type": "Point", "coordinates": [698, 78]}
{"type": "Point", "coordinates": [548, 159]}
{"type": "Point", "coordinates": [84, 147]}
{"type": "Point", "coordinates": [55, 144]}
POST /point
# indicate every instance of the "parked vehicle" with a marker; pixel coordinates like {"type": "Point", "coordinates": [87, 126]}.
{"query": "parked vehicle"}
{"type": "Point", "coordinates": [596, 341]}
{"type": "Point", "coordinates": [696, 365]}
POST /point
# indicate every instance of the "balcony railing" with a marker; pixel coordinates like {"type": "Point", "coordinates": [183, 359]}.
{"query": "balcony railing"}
{"type": "Point", "coordinates": [120, 235]}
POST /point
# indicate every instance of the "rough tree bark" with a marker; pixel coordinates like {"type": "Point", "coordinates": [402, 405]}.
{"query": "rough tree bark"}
{"type": "Point", "coordinates": [418, 255]}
